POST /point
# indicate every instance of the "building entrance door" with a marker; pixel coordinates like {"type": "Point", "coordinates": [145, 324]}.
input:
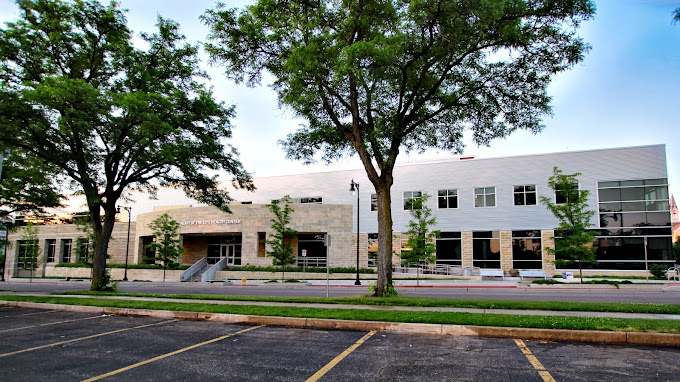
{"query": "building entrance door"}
{"type": "Point", "coordinates": [233, 254]}
{"type": "Point", "coordinates": [228, 247]}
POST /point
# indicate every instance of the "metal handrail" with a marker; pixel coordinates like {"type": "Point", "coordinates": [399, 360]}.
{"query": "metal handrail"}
{"type": "Point", "coordinates": [186, 275]}
{"type": "Point", "coordinates": [312, 261]}
{"type": "Point", "coordinates": [209, 275]}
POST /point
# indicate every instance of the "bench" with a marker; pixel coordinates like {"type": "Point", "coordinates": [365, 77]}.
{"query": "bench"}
{"type": "Point", "coordinates": [491, 273]}
{"type": "Point", "coordinates": [673, 272]}
{"type": "Point", "coordinates": [533, 273]}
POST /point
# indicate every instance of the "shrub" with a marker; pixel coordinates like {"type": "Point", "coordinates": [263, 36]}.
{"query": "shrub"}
{"type": "Point", "coordinates": [658, 270]}
{"type": "Point", "coordinates": [547, 281]}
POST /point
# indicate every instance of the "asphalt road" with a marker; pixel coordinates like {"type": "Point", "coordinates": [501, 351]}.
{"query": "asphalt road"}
{"type": "Point", "coordinates": [656, 295]}
{"type": "Point", "coordinates": [43, 345]}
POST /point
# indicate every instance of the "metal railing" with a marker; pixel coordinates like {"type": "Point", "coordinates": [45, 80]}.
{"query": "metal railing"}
{"type": "Point", "coordinates": [209, 275]}
{"type": "Point", "coordinates": [440, 269]}
{"type": "Point", "coordinates": [319, 262]}
{"type": "Point", "coordinates": [186, 275]}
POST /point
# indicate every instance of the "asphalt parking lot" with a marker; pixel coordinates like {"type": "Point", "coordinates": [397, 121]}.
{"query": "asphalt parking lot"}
{"type": "Point", "coordinates": [40, 345]}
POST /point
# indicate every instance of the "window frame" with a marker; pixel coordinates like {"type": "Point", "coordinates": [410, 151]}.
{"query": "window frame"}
{"type": "Point", "coordinates": [485, 194]}
{"type": "Point", "coordinates": [557, 202]}
{"type": "Point", "coordinates": [524, 194]}
{"type": "Point", "coordinates": [312, 200]}
{"type": "Point", "coordinates": [447, 198]}
{"type": "Point", "coordinates": [407, 205]}
{"type": "Point", "coordinates": [50, 250]}
{"type": "Point", "coordinates": [66, 243]}
{"type": "Point", "coordinates": [526, 235]}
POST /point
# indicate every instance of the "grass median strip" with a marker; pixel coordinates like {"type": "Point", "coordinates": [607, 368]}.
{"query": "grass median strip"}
{"type": "Point", "coordinates": [456, 318]}
{"type": "Point", "coordinates": [428, 302]}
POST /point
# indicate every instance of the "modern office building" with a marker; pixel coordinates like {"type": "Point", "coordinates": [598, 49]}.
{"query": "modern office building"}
{"type": "Point", "coordinates": [488, 212]}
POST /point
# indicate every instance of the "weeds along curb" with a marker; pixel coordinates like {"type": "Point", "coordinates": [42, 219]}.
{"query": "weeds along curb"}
{"type": "Point", "coordinates": [593, 336]}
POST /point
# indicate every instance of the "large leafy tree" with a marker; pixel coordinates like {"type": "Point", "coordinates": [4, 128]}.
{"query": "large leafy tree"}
{"type": "Point", "coordinates": [573, 241]}
{"type": "Point", "coordinates": [77, 94]}
{"type": "Point", "coordinates": [376, 78]}
{"type": "Point", "coordinates": [28, 185]}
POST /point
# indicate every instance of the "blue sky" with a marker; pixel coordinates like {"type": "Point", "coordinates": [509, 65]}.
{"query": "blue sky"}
{"type": "Point", "coordinates": [625, 92]}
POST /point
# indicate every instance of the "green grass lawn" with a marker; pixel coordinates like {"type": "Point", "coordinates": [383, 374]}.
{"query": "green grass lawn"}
{"type": "Point", "coordinates": [502, 320]}
{"type": "Point", "coordinates": [429, 302]}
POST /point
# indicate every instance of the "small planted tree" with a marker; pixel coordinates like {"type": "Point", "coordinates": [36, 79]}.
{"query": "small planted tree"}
{"type": "Point", "coordinates": [280, 241]}
{"type": "Point", "coordinates": [168, 245]}
{"type": "Point", "coordinates": [421, 238]}
{"type": "Point", "coordinates": [573, 240]}
{"type": "Point", "coordinates": [29, 251]}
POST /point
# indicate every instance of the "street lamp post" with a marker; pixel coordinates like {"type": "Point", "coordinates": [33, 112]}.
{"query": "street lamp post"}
{"type": "Point", "coordinates": [354, 187]}
{"type": "Point", "coordinates": [4, 155]}
{"type": "Point", "coordinates": [127, 247]}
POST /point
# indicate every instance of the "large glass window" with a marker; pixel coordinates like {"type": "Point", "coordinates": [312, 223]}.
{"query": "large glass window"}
{"type": "Point", "coordinates": [66, 245]}
{"type": "Point", "coordinates": [526, 250]}
{"type": "Point", "coordinates": [485, 197]}
{"type": "Point", "coordinates": [50, 250]}
{"type": "Point", "coordinates": [372, 249]}
{"type": "Point", "coordinates": [634, 203]}
{"type": "Point", "coordinates": [447, 198]}
{"type": "Point", "coordinates": [314, 247]}
{"type": "Point", "coordinates": [410, 197]}
{"type": "Point", "coordinates": [628, 253]}
{"type": "Point", "coordinates": [525, 195]}
{"type": "Point", "coordinates": [28, 254]}
{"type": "Point", "coordinates": [449, 249]}
{"type": "Point", "coordinates": [486, 249]}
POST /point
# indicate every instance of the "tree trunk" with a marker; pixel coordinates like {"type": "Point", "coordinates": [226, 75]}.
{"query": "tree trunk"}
{"type": "Point", "coordinates": [102, 235]}
{"type": "Point", "coordinates": [384, 282]}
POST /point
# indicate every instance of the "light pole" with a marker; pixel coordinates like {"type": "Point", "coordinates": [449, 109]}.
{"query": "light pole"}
{"type": "Point", "coordinates": [4, 155]}
{"type": "Point", "coordinates": [354, 188]}
{"type": "Point", "coordinates": [127, 247]}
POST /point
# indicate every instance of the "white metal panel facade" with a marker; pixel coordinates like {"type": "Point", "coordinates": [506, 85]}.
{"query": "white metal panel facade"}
{"type": "Point", "coordinates": [644, 162]}
{"type": "Point", "coordinates": [629, 163]}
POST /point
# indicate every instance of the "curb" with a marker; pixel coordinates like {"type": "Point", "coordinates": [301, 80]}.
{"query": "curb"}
{"type": "Point", "coordinates": [592, 336]}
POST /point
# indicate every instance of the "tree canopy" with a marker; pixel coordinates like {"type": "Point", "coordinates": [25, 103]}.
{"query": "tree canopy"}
{"type": "Point", "coordinates": [77, 94]}
{"type": "Point", "coordinates": [27, 185]}
{"type": "Point", "coordinates": [376, 78]}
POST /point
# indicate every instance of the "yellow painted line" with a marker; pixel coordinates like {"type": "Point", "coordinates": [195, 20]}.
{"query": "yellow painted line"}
{"type": "Point", "coordinates": [49, 323]}
{"type": "Point", "coordinates": [168, 354]}
{"type": "Point", "coordinates": [339, 358]}
{"type": "Point", "coordinates": [82, 338]}
{"type": "Point", "coordinates": [534, 361]}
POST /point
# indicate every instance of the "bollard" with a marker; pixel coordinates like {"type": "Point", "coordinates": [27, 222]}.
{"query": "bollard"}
{"type": "Point", "coordinates": [243, 281]}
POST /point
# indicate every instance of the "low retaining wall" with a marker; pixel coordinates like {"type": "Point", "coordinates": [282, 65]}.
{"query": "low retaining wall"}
{"type": "Point", "coordinates": [116, 273]}
{"type": "Point", "coordinates": [157, 275]}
